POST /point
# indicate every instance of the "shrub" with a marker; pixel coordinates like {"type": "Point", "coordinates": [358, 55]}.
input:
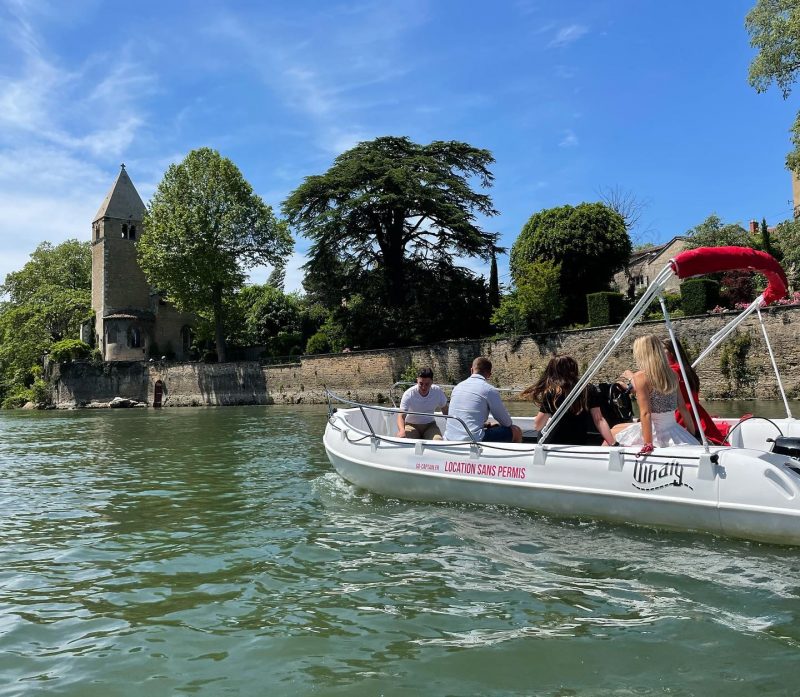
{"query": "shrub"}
{"type": "Point", "coordinates": [409, 374]}
{"type": "Point", "coordinates": [733, 361]}
{"type": "Point", "coordinates": [318, 343]}
{"type": "Point", "coordinates": [737, 287]}
{"type": "Point", "coordinates": [36, 393]}
{"type": "Point", "coordinates": [605, 308]}
{"type": "Point", "coordinates": [69, 349]}
{"type": "Point", "coordinates": [39, 392]}
{"type": "Point", "coordinates": [699, 295]}
{"type": "Point", "coordinates": [673, 301]}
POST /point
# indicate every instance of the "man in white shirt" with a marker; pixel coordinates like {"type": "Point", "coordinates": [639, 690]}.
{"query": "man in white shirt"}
{"type": "Point", "coordinates": [472, 401]}
{"type": "Point", "coordinates": [424, 398]}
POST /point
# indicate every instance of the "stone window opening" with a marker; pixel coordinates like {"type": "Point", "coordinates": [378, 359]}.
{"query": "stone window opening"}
{"type": "Point", "coordinates": [186, 339]}
{"type": "Point", "coordinates": [134, 337]}
{"type": "Point", "coordinates": [124, 231]}
{"type": "Point", "coordinates": [132, 233]}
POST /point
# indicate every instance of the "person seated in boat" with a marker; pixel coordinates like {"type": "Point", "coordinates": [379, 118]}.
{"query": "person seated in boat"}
{"type": "Point", "coordinates": [549, 392]}
{"type": "Point", "coordinates": [656, 390]}
{"type": "Point", "coordinates": [424, 397]}
{"type": "Point", "coordinates": [472, 401]}
{"type": "Point", "coordinates": [712, 432]}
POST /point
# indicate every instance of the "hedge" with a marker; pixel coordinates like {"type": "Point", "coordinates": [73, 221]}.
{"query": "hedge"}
{"type": "Point", "coordinates": [698, 295]}
{"type": "Point", "coordinates": [605, 308]}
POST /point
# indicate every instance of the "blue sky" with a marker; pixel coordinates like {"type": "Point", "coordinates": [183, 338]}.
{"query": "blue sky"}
{"type": "Point", "coordinates": [571, 97]}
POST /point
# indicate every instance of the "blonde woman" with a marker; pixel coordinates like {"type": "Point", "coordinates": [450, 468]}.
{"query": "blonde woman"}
{"type": "Point", "coordinates": [656, 389]}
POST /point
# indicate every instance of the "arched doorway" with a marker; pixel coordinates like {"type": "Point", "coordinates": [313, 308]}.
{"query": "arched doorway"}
{"type": "Point", "coordinates": [158, 393]}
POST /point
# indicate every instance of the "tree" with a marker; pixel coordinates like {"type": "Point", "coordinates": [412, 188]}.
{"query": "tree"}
{"type": "Point", "coordinates": [590, 243]}
{"type": "Point", "coordinates": [787, 243]}
{"type": "Point", "coordinates": [67, 266]}
{"type": "Point", "coordinates": [389, 201]}
{"type": "Point", "coordinates": [275, 320]}
{"type": "Point", "coordinates": [203, 229]}
{"type": "Point", "coordinates": [277, 277]}
{"type": "Point", "coordinates": [631, 207]}
{"type": "Point", "coordinates": [712, 232]}
{"type": "Point", "coordinates": [494, 283]}
{"type": "Point", "coordinates": [535, 303]}
{"type": "Point", "coordinates": [774, 28]}
{"type": "Point", "coordinates": [766, 240]}
{"type": "Point", "coordinates": [48, 300]}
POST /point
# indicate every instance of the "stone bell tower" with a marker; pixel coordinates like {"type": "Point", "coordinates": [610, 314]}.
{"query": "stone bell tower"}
{"type": "Point", "coordinates": [120, 292]}
{"type": "Point", "coordinates": [132, 321]}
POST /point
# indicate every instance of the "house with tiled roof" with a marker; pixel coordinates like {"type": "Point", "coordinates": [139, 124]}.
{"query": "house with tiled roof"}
{"type": "Point", "coordinates": [644, 265]}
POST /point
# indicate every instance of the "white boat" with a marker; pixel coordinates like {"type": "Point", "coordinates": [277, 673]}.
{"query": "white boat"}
{"type": "Point", "coordinates": [744, 490]}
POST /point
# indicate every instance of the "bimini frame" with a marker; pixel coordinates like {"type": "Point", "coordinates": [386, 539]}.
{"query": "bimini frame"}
{"type": "Point", "coordinates": [694, 262]}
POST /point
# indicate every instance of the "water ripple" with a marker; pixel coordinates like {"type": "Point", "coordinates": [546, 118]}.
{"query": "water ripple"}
{"type": "Point", "coordinates": [214, 552]}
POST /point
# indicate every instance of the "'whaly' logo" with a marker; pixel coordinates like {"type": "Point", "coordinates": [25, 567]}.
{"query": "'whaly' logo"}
{"type": "Point", "coordinates": [648, 477]}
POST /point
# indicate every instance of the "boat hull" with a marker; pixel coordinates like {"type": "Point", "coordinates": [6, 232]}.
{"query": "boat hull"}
{"type": "Point", "coordinates": [728, 491]}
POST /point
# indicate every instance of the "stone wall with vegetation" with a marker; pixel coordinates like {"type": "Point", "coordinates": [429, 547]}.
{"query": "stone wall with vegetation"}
{"type": "Point", "coordinates": [738, 369]}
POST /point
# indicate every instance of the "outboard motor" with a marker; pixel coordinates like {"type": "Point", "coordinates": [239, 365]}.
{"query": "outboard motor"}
{"type": "Point", "coordinates": [786, 445]}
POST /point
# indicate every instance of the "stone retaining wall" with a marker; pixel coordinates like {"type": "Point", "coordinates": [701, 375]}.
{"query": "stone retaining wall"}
{"type": "Point", "coordinates": [367, 375]}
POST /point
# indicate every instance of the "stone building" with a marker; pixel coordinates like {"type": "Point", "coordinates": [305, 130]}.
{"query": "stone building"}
{"type": "Point", "coordinates": [644, 266]}
{"type": "Point", "coordinates": [132, 322]}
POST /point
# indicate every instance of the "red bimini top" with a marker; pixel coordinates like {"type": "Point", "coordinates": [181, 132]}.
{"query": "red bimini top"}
{"type": "Point", "coordinates": [703, 260]}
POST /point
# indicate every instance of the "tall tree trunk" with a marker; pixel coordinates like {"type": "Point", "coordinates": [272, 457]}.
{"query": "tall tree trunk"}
{"type": "Point", "coordinates": [219, 324]}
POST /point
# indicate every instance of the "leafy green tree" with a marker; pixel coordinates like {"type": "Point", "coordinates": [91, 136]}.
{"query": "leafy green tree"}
{"type": "Point", "coordinates": [275, 320]}
{"type": "Point", "coordinates": [787, 243]}
{"type": "Point", "coordinates": [66, 267]}
{"type": "Point", "coordinates": [390, 201]}
{"type": "Point", "coordinates": [329, 338]}
{"type": "Point", "coordinates": [535, 302]}
{"type": "Point", "coordinates": [47, 300]}
{"type": "Point", "coordinates": [712, 232]}
{"type": "Point", "coordinates": [23, 340]}
{"type": "Point", "coordinates": [589, 242]}
{"type": "Point", "coordinates": [277, 277]}
{"type": "Point", "coordinates": [774, 28]}
{"type": "Point", "coordinates": [203, 229]}
{"type": "Point", "coordinates": [766, 240]}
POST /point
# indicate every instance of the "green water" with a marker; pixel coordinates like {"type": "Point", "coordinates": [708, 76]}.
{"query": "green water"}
{"type": "Point", "coordinates": [214, 552]}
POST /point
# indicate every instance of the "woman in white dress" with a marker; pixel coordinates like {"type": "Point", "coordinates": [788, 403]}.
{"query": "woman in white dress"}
{"type": "Point", "coordinates": [656, 389]}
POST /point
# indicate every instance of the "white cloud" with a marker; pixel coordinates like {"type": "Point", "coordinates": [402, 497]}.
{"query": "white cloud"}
{"type": "Point", "coordinates": [568, 140]}
{"type": "Point", "coordinates": [567, 35]}
{"type": "Point", "coordinates": [59, 127]}
{"type": "Point", "coordinates": [325, 76]}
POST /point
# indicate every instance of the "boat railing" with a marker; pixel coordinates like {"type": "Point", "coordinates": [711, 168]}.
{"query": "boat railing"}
{"type": "Point", "coordinates": [475, 446]}
{"type": "Point", "coordinates": [332, 396]}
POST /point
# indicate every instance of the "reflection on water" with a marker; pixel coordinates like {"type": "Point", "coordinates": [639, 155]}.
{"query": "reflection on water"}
{"type": "Point", "coordinates": [213, 551]}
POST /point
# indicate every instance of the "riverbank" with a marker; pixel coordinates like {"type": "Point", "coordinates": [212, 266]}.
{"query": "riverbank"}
{"type": "Point", "coordinates": [739, 369]}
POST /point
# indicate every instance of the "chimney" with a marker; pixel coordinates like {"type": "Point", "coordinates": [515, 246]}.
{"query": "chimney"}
{"type": "Point", "coordinates": [753, 227]}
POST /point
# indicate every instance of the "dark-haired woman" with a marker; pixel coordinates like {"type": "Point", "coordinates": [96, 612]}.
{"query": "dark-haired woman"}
{"type": "Point", "coordinates": [713, 434]}
{"type": "Point", "coordinates": [549, 392]}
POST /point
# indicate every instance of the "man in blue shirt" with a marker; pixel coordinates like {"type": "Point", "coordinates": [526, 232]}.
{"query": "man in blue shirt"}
{"type": "Point", "coordinates": [472, 401]}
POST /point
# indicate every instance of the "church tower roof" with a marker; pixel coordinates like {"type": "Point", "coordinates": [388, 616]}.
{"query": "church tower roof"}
{"type": "Point", "coordinates": [122, 201]}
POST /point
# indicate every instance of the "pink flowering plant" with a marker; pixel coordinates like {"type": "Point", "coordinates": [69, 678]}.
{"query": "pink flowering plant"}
{"type": "Point", "coordinates": [791, 299]}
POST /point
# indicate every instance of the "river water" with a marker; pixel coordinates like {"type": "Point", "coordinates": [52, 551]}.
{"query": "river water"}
{"type": "Point", "coordinates": [214, 552]}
